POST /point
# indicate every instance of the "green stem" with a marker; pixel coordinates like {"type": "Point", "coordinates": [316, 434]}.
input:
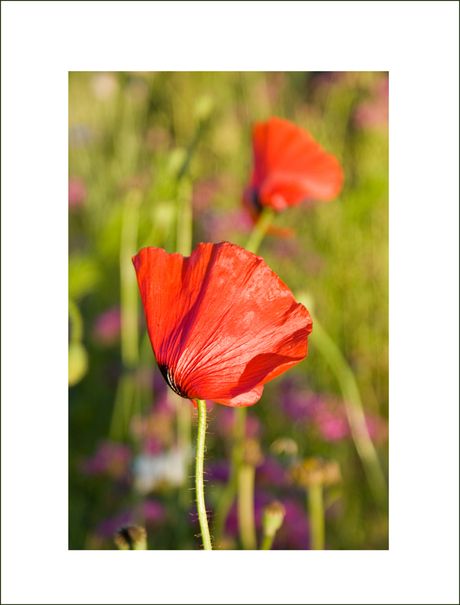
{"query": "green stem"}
{"type": "Point", "coordinates": [228, 496]}
{"type": "Point", "coordinates": [260, 229]}
{"type": "Point", "coordinates": [127, 397]}
{"type": "Point", "coordinates": [354, 408]}
{"type": "Point", "coordinates": [246, 525]}
{"type": "Point", "coordinates": [126, 401]}
{"type": "Point", "coordinates": [199, 475]}
{"type": "Point", "coordinates": [239, 433]}
{"type": "Point", "coordinates": [267, 542]}
{"type": "Point", "coordinates": [225, 503]}
{"type": "Point", "coordinates": [316, 511]}
{"type": "Point", "coordinates": [129, 291]}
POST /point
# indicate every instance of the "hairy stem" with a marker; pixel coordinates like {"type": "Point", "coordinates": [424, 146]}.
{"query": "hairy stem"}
{"type": "Point", "coordinates": [199, 479]}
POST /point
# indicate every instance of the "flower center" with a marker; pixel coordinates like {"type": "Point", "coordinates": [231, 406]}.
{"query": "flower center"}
{"type": "Point", "coordinates": [255, 201]}
{"type": "Point", "coordinates": [169, 377]}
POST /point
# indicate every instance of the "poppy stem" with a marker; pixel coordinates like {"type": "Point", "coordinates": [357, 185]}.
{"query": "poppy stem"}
{"type": "Point", "coordinates": [228, 496]}
{"type": "Point", "coordinates": [128, 281]}
{"type": "Point", "coordinates": [267, 542]}
{"type": "Point", "coordinates": [246, 522]}
{"type": "Point", "coordinates": [127, 392]}
{"type": "Point", "coordinates": [260, 229]}
{"type": "Point", "coordinates": [355, 412]}
{"type": "Point", "coordinates": [272, 519]}
{"type": "Point", "coordinates": [202, 515]}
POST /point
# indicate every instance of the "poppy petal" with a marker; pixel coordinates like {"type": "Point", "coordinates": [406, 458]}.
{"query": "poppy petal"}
{"type": "Point", "coordinates": [243, 400]}
{"type": "Point", "coordinates": [290, 166]}
{"type": "Point", "coordinates": [221, 323]}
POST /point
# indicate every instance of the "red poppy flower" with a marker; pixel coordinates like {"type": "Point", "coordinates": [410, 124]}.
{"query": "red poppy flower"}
{"type": "Point", "coordinates": [289, 166]}
{"type": "Point", "coordinates": [221, 323]}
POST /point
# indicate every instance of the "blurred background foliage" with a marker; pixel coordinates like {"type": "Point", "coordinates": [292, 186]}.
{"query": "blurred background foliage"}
{"type": "Point", "coordinates": [144, 148]}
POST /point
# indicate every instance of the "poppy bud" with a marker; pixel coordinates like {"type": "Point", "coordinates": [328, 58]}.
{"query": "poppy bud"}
{"type": "Point", "coordinates": [131, 537]}
{"type": "Point", "coordinates": [78, 362]}
{"type": "Point", "coordinates": [272, 518]}
{"type": "Point", "coordinates": [315, 471]}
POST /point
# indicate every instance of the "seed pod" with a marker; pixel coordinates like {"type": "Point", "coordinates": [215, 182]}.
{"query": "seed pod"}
{"type": "Point", "coordinates": [272, 518]}
{"type": "Point", "coordinates": [131, 537]}
{"type": "Point", "coordinates": [315, 471]}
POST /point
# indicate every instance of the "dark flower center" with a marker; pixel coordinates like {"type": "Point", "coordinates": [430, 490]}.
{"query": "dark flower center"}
{"type": "Point", "coordinates": [169, 377]}
{"type": "Point", "coordinates": [255, 201]}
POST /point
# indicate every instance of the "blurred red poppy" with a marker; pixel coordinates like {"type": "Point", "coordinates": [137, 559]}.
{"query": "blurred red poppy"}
{"type": "Point", "coordinates": [220, 322]}
{"type": "Point", "coordinates": [289, 166]}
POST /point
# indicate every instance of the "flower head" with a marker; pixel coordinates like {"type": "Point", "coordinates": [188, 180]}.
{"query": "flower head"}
{"type": "Point", "coordinates": [289, 166]}
{"type": "Point", "coordinates": [131, 537]}
{"type": "Point", "coordinates": [272, 517]}
{"type": "Point", "coordinates": [220, 322]}
{"type": "Point", "coordinates": [293, 534]}
{"type": "Point", "coordinates": [316, 471]}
